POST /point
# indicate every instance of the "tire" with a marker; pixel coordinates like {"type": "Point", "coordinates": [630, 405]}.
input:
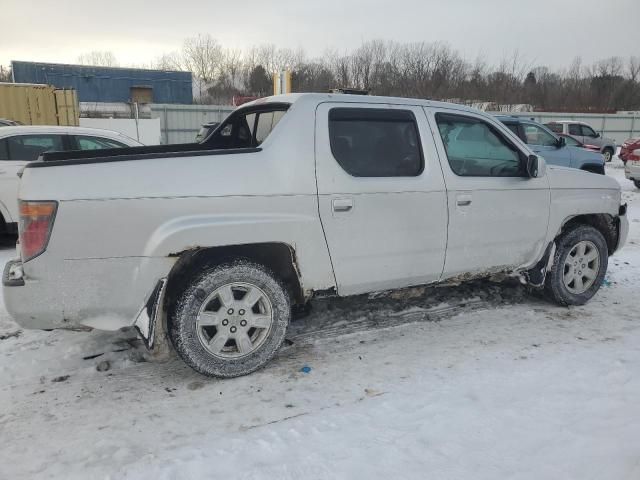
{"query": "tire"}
{"type": "Point", "coordinates": [607, 153]}
{"type": "Point", "coordinates": [218, 331]}
{"type": "Point", "coordinates": [558, 284]}
{"type": "Point", "coordinates": [636, 183]}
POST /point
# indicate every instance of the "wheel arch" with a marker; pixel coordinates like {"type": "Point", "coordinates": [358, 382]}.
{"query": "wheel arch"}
{"type": "Point", "coordinates": [593, 168]}
{"type": "Point", "coordinates": [279, 257]}
{"type": "Point", "coordinates": [605, 223]}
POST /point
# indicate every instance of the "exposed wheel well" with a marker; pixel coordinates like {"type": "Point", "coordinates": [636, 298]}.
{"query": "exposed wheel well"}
{"type": "Point", "coordinates": [606, 224]}
{"type": "Point", "coordinates": [278, 257]}
{"type": "Point", "coordinates": [593, 168]}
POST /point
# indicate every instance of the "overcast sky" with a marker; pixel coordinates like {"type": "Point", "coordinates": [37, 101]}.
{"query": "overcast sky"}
{"type": "Point", "coordinates": [545, 32]}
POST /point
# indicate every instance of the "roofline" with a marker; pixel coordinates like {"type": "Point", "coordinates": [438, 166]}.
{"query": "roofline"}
{"type": "Point", "coordinates": [98, 66]}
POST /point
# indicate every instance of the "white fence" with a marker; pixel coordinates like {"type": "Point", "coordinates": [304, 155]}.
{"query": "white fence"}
{"type": "Point", "coordinates": [180, 123]}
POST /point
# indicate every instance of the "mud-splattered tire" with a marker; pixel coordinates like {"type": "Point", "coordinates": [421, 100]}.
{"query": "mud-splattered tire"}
{"type": "Point", "coordinates": [607, 153]}
{"type": "Point", "coordinates": [230, 320]}
{"type": "Point", "coordinates": [580, 264]}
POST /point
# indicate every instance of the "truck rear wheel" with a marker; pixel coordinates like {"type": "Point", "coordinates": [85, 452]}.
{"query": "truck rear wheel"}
{"type": "Point", "coordinates": [579, 267]}
{"type": "Point", "coordinates": [230, 320]}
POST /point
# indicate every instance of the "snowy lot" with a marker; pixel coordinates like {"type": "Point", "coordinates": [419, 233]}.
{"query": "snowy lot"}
{"type": "Point", "coordinates": [479, 382]}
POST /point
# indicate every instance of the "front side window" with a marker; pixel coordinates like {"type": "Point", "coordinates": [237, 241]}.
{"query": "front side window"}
{"type": "Point", "coordinates": [30, 147]}
{"type": "Point", "coordinates": [571, 141]}
{"type": "Point", "coordinates": [587, 131]}
{"type": "Point", "coordinates": [97, 143]}
{"type": "Point", "coordinates": [477, 149]}
{"type": "Point", "coordinates": [537, 135]}
{"type": "Point", "coordinates": [574, 129]}
{"type": "Point", "coordinates": [369, 142]}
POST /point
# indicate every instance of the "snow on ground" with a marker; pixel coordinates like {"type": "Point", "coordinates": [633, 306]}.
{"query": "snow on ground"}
{"type": "Point", "coordinates": [479, 382]}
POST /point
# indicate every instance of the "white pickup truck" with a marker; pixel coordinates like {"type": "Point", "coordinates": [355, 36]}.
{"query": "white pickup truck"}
{"type": "Point", "coordinates": [295, 196]}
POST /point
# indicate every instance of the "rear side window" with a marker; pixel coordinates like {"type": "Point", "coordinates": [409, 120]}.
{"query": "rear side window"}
{"type": "Point", "coordinates": [29, 147]}
{"type": "Point", "coordinates": [369, 142]}
{"type": "Point", "coordinates": [4, 154]}
{"type": "Point", "coordinates": [513, 127]}
{"type": "Point", "coordinates": [555, 127]}
{"type": "Point", "coordinates": [477, 149]}
{"type": "Point", "coordinates": [97, 143]}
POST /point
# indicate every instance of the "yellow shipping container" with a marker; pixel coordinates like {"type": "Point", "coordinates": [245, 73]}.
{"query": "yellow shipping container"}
{"type": "Point", "coordinates": [35, 104]}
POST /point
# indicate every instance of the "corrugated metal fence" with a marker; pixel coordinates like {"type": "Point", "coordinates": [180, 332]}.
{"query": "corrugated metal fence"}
{"type": "Point", "coordinates": [619, 127]}
{"type": "Point", "coordinates": [180, 123]}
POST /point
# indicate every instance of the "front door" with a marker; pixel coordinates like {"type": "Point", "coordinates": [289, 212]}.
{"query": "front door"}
{"type": "Point", "coordinates": [498, 217]}
{"type": "Point", "coordinates": [545, 144]}
{"type": "Point", "coordinates": [381, 196]}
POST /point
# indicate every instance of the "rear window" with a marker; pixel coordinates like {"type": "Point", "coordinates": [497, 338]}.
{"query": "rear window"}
{"type": "Point", "coordinates": [369, 142]}
{"type": "Point", "coordinates": [247, 129]}
{"type": "Point", "coordinates": [30, 147]}
{"type": "Point", "coordinates": [555, 127]}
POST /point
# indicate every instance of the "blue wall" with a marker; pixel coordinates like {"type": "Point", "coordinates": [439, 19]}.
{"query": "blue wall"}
{"type": "Point", "coordinates": [107, 84]}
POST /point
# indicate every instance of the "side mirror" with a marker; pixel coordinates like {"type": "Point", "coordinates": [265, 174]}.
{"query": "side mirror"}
{"type": "Point", "coordinates": [533, 166]}
{"type": "Point", "coordinates": [562, 142]}
{"type": "Point", "coordinates": [597, 135]}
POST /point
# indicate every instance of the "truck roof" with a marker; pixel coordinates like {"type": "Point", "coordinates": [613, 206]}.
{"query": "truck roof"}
{"type": "Point", "coordinates": [347, 98]}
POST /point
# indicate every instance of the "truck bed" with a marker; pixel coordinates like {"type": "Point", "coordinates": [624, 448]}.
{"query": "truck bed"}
{"type": "Point", "coordinates": [75, 157]}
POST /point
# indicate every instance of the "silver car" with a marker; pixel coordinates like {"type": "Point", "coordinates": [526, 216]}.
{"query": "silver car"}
{"type": "Point", "coordinates": [585, 134]}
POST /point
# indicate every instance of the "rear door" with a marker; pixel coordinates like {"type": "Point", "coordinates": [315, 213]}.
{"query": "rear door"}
{"type": "Point", "coordinates": [381, 194]}
{"type": "Point", "coordinates": [15, 153]}
{"type": "Point", "coordinates": [497, 216]}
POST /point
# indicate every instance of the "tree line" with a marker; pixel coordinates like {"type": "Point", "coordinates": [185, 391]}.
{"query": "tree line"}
{"type": "Point", "coordinates": [421, 70]}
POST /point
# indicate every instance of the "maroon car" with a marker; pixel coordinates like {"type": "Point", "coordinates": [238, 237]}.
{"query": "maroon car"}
{"type": "Point", "coordinates": [628, 147]}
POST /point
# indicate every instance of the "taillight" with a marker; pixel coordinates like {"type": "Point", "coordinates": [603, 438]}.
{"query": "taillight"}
{"type": "Point", "coordinates": [36, 222]}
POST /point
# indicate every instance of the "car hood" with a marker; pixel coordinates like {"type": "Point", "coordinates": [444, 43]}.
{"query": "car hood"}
{"type": "Point", "coordinates": [565, 177]}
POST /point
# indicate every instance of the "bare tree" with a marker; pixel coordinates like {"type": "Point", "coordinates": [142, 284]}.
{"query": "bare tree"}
{"type": "Point", "coordinates": [203, 56]}
{"type": "Point", "coordinates": [98, 58]}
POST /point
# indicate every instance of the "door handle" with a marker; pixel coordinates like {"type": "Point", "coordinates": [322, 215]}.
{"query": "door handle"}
{"type": "Point", "coordinates": [463, 200]}
{"type": "Point", "coordinates": [342, 204]}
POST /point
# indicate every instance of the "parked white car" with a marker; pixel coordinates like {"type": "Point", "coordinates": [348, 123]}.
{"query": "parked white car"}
{"type": "Point", "coordinates": [632, 167]}
{"type": "Point", "coordinates": [20, 145]}
{"type": "Point", "coordinates": [295, 196]}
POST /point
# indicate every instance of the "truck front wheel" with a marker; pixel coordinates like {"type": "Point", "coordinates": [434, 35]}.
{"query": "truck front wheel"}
{"type": "Point", "coordinates": [230, 320]}
{"type": "Point", "coordinates": [579, 266]}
